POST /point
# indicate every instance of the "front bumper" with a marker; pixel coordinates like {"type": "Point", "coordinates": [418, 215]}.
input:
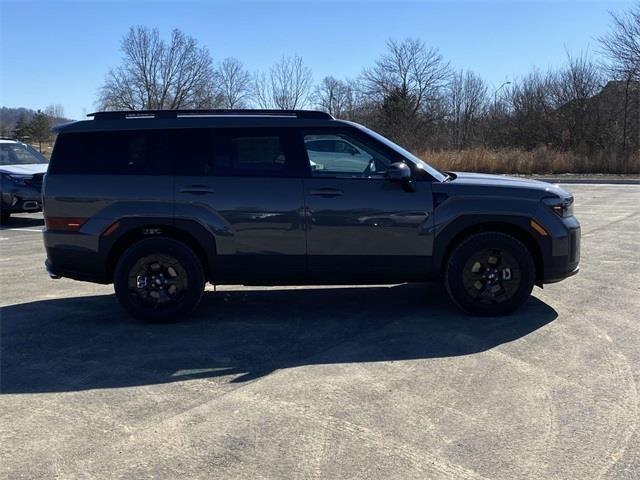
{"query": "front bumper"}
{"type": "Point", "coordinates": [573, 272]}
{"type": "Point", "coordinates": [21, 199]}
{"type": "Point", "coordinates": [564, 260]}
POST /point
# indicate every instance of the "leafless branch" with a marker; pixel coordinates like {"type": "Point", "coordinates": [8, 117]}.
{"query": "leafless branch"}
{"type": "Point", "coordinates": [155, 74]}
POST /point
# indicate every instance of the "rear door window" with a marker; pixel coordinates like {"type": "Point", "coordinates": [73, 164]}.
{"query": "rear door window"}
{"type": "Point", "coordinates": [246, 152]}
{"type": "Point", "coordinates": [250, 154]}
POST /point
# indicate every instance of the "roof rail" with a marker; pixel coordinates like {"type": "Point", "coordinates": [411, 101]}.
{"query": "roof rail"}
{"type": "Point", "coordinates": [129, 114]}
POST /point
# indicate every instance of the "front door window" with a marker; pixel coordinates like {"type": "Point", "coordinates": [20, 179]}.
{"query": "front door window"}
{"type": "Point", "coordinates": [343, 156]}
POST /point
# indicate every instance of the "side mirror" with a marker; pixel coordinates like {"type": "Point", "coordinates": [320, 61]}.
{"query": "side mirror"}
{"type": "Point", "coordinates": [400, 172]}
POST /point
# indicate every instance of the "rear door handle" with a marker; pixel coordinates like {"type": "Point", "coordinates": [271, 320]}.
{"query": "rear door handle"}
{"type": "Point", "coordinates": [327, 192]}
{"type": "Point", "coordinates": [196, 189]}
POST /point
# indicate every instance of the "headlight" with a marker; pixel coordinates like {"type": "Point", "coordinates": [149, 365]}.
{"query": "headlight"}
{"type": "Point", "coordinates": [20, 180]}
{"type": "Point", "coordinates": [562, 206]}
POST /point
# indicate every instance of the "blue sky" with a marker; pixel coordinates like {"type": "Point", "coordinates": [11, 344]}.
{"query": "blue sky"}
{"type": "Point", "coordinates": [59, 52]}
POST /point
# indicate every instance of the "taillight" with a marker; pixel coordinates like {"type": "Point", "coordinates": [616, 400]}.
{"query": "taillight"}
{"type": "Point", "coordinates": [64, 224]}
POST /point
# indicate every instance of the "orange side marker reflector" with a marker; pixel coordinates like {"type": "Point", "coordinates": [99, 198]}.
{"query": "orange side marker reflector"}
{"type": "Point", "coordinates": [64, 224]}
{"type": "Point", "coordinates": [112, 228]}
{"type": "Point", "coordinates": [538, 228]}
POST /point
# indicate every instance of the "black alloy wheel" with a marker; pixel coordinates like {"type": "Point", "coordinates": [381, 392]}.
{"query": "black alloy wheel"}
{"type": "Point", "coordinates": [490, 274]}
{"type": "Point", "coordinates": [159, 280]}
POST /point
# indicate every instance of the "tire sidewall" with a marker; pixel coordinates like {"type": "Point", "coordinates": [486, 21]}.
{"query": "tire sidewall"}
{"type": "Point", "coordinates": [183, 254]}
{"type": "Point", "coordinates": [456, 262]}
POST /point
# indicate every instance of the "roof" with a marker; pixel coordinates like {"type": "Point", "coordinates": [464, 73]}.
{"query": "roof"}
{"type": "Point", "coordinates": [164, 119]}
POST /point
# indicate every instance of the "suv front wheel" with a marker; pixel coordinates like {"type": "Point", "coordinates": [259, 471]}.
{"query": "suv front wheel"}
{"type": "Point", "coordinates": [489, 274]}
{"type": "Point", "coordinates": [159, 280]}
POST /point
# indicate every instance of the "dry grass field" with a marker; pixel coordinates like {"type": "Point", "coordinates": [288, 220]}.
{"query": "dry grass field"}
{"type": "Point", "coordinates": [539, 161]}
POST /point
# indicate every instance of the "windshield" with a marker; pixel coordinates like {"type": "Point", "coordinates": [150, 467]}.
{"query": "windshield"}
{"type": "Point", "coordinates": [20, 154]}
{"type": "Point", "coordinates": [439, 176]}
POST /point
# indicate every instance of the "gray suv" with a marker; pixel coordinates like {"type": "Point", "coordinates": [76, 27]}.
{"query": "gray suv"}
{"type": "Point", "coordinates": [161, 202]}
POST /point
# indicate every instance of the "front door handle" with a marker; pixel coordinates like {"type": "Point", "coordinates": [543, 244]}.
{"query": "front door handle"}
{"type": "Point", "coordinates": [196, 189]}
{"type": "Point", "coordinates": [327, 192]}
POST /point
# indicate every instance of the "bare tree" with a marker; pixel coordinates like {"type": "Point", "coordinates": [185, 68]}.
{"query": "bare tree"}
{"type": "Point", "coordinates": [333, 96]}
{"type": "Point", "coordinates": [572, 87]}
{"type": "Point", "coordinates": [155, 74]}
{"type": "Point", "coordinates": [356, 102]}
{"type": "Point", "coordinates": [409, 69]}
{"type": "Point", "coordinates": [291, 83]}
{"type": "Point", "coordinates": [262, 91]}
{"type": "Point", "coordinates": [533, 111]}
{"type": "Point", "coordinates": [344, 99]}
{"type": "Point", "coordinates": [287, 87]}
{"type": "Point", "coordinates": [406, 84]}
{"type": "Point", "coordinates": [467, 94]}
{"type": "Point", "coordinates": [622, 45]}
{"type": "Point", "coordinates": [622, 48]}
{"type": "Point", "coordinates": [234, 83]}
{"type": "Point", "coordinates": [54, 111]}
{"type": "Point", "coordinates": [579, 79]}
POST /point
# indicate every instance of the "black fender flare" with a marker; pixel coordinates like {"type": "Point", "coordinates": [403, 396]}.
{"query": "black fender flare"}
{"type": "Point", "coordinates": [125, 231]}
{"type": "Point", "coordinates": [449, 235]}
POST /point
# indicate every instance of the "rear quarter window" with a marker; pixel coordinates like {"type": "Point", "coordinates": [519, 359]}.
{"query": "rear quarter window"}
{"type": "Point", "coordinates": [140, 152]}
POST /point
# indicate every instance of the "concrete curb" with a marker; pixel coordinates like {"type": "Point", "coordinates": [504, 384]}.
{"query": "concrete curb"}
{"type": "Point", "coordinates": [591, 181]}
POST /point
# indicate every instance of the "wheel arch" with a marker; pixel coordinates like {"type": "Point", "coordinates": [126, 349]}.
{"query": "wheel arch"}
{"type": "Point", "coordinates": [191, 233]}
{"type": "Point", "coordinates": [519, 229]}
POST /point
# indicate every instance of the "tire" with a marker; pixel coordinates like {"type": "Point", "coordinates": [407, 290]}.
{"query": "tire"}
{"type": "Point", "coordinates": [159, 280]}
{"type": "Point", "coordinates": [4, 217]}
{"type": "Point", "coordinates": [490, 274]}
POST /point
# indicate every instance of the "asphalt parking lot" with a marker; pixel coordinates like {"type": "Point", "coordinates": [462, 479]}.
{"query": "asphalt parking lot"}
{"type": "Point", "coordinates": [365, 382]}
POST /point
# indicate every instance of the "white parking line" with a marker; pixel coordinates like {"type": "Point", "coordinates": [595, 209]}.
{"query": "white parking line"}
{"type": "Point", "coordinates": [21, 230]}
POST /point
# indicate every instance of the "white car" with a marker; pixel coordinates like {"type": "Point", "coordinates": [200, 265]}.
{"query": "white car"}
{"type": "Point", "coordinates": [22, 169]}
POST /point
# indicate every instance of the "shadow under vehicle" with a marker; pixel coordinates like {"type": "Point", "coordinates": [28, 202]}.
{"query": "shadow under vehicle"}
{"type": "Point", "coordinates": [82, 343]}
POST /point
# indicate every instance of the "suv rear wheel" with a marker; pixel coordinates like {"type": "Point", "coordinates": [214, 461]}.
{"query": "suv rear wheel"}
{"type": "Point", "coordinates": [159, 280]}
{"type": "Point", "coordinates": [489, 274]}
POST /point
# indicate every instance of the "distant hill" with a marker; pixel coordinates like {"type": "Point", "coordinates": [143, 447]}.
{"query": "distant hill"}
{"type": "Point", "coordinates": [9, 116]}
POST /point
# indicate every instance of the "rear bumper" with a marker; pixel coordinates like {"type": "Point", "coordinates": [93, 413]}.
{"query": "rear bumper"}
{"type": "Point", "coordinates": [71, 255]}
{"type": "Point", "coordinates": [56, 271]}
{"type": "Point", "coordinates": [51, 271]}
